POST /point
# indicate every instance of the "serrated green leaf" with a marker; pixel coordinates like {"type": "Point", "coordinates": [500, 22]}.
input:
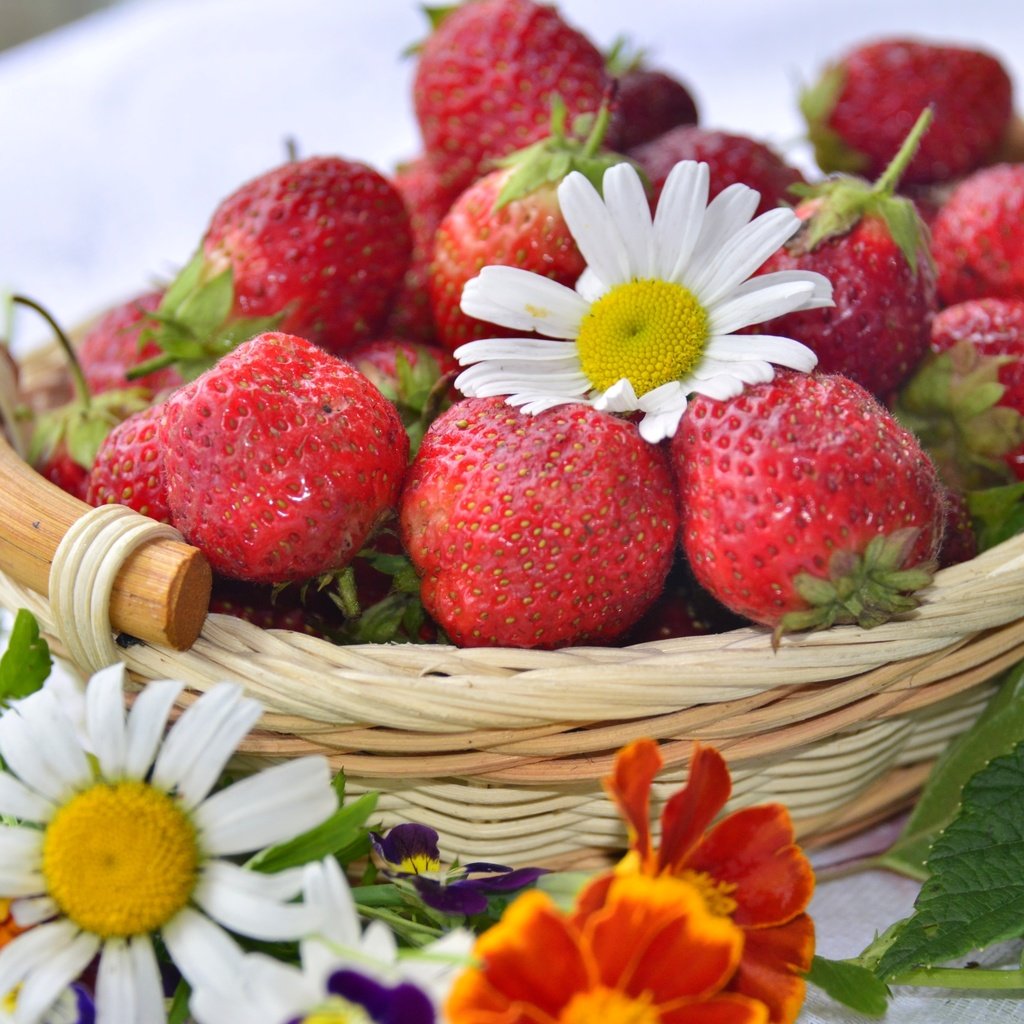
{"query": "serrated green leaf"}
{"type": "Point", "coordinates": [997, 512]}
{"type": "Point", "coordinates": [997, 731]}
{"type": "Point", "coordinates": [850, 984]}
{"type": "Point", "coordinates": [26, 663]}
{"type": "Point", "coordinates": [342, 829]}
{"type": "Point", "coordinates": [975, 894]}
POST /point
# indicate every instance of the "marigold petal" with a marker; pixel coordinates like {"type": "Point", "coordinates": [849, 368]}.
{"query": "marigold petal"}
{"type": "Point", "coordinates": [771, 969]}
{"type": "Point", "coordinates": [725, 1009]}
{"type": "Point", "coordinates": [689, 812]}
{"type": "Point", "coordinates": [531, 956]}
{"type": "Point", "coordinates": [629, 786]}
{"type": "Point", "coordinates": [656, 936]}
{"type": "Point", "coordinates": [754, 849]}
{"type": "Point", "coordinates": [474, 1000]}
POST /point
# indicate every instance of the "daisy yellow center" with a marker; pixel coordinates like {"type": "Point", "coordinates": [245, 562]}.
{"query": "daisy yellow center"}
{"type": "Point", "coordinates": [649, 332]}
{"type": "Point", "coordinates": [120, 859]}
{"type": "Point", "coordinates": [717, 894]}
{"type": "Point", "coordinates": [609, 1006]}
{"type": "Point", "coordinates": [337, 1011]}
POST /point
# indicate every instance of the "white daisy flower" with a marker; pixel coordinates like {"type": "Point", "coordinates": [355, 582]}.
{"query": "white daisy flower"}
{"type": "Point", "coordinates": [129, 842]}
{"type": "Point", "coordinates": [653, 317]}
{"type": "Point", "coordinates": [346, 973]}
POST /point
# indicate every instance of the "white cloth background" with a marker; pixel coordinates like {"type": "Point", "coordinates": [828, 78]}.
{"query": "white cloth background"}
{"type": "Point", "coordinates": [121, 132]}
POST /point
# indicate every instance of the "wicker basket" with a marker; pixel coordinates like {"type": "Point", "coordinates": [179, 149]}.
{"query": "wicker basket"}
{"type": "Point", "coordinates": [502, 750]}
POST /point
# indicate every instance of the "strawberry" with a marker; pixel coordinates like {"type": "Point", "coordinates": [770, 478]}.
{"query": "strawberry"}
{"type": "Point", "coordinates": [873, 247]}
{"type": "Point", "coordinates": [118, 341]}
{"type": "Point", "coordinates": [537, 531]}
{"type": "Point", "coordinates": [129, 467]}
{"type": "Point", "coordinates": [866, 101]}
{"type": "Point", "coordinates": [281, 460]}
{"type": "Point", "coordinates": [804, 503]}
{"type": "Point", "coordinates": [959, 541]}
{"type": "Point", "coordinates": [314, 248]}
{"type": "Point", "coordinates": [966, 400]}
{"type": "Point", "coordinates": [485, 79]}
{"type": "Point", "coordinates": [268, 607]}
{"type": "Point", "coordinates": [978, 236]}
{"type": "Point", "coordinates": [427, 196]}
{"type": "Point", "coordinates": [730, 158]}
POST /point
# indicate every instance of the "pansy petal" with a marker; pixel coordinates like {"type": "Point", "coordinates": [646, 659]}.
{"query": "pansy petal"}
{"type": "Point", "coordinates": [630, 211]}
{"type": "Point", "coordinates": [203, 952]}
{"type": "Point", "coordinates": [49, 978]}
{"type": "Point", "coordinates": [679, 218]}
{"type": "Point", "coordinates": [592, 227]}
{"type": "Point", "coordinates": [772, 965]}
{"type": "Point", "coordinates": [409, 847]}
{"type": "Point", "coordinates": [689, 812]}
{"type": "Point", "coordinates": [18, 801]}
{"type": "Point", "coordinates": [523, 301]}
{"type": "Point", "coordinates": [455, 898]}
{"type": "Point", "coordinates": [105, 718]}
{"type": "Point", "coordinates": [199, 745]}
{"type": "Point", "coordinates": [403, 1002]}
{"type": "Point", "coordinates": [273, 806]}
{"type": "Point", "coordinates": [147, 723]}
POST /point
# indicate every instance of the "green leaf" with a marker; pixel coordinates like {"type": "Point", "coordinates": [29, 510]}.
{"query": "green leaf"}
{"type": "Point", "coordinates": [997, 731]}
{"type": "Point", "coordinates": [341, 830]}
{"type": "Point", "coordinates": [975, 895]}
{"type": "Point", "coordinates": [26, 663]}
{"type": "Point", "coordinates": [850, 984]}
{"type": "Point", "coordinates": [998, 513]}
{"type": "Point", "coordinates": [178, 1013]}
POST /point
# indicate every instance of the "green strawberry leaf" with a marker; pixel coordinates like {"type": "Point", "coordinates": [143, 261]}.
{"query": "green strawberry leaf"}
{"type": "Point", "coordinates": [997, 513]}
{"type": "Point", "coordinates": [997, 731]}
{"type": "Point", "coordinates": [851, 984]}
{"type": "Point", "coordinates": [26, 663]}
{"type": "Point", "coordinates": [975, 894]}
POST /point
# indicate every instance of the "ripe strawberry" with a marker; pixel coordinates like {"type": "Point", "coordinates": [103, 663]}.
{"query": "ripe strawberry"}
{"type": "Point", "coordinates": [129, 467]}
{"type": "Point", "coordinates": [867, 101]}
{"type": "Point", "coordinates": [268, 607]}
{"type": "Point", "coordinates": [978, 236]}
{"type": "Point", "coordinates": [959, 541]}
{"type": "Point", "coordinates": [117, 342]}
{"type": "Point", "coordinates": [537, 531]}
{"type": "Point", "coordinates": [281, 460]}
{"type": "Point", "coordinates": [486, 76]}
{"type": "Point", "coordinates": [315, 248]}
{"type": "Point", "coordinates": [966, 400]}
{"type": "Point", "coordinates": [428, 196]}
{"type": "Point", "coordinates": [873, 247]}
{"type": "Point", "coordinates": [804, 503]}
{"type": "Point", "coordinates": [730, 158]}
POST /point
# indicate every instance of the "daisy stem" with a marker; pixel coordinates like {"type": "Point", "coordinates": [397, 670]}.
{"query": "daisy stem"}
{"type": "Point", "coordinates": [414, 931]}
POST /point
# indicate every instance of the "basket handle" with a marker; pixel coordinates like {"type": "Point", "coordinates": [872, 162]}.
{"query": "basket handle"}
{"type": "Point", "coordinates": [162, 592]}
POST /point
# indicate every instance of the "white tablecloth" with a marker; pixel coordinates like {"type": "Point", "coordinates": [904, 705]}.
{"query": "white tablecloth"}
{"type": "Point", "coordinates": [120, 133]}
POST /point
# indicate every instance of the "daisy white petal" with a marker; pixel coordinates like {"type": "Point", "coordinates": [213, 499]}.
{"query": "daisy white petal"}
{"type": "Point", "coordinates": [149, 992]}
{"type": "Point", "coordinates": [663, 409]}
{"type": "Point", "coordinates": [754, 306]}
{"type": "Point", "coordinates": [128, 983]}
{"type": "Point", "coordinates": [519, 350]}
{"type": "Point", "coordinates": [620, 397]}
{"type": "Point", "coordinates": [630, 211]}
{"type": "Point", "coordinates": [593, 229]}
{"type": "Point", "coordinates": [589, 286]}
{"type": "Point", "coordinates": [28, 746]}
{"type": "Point", "coordinates": [278, 804]}
{"type": "Point", "coordinates": [276, 885]}
{"type": "Point", "coordinates": [729, 212]}
{"type": "Point", "coordinates": [379, 943]}
{"type": "Point", "coordinates": [324, 886]}
{"type": "Point", "coordinates": [523, 301]}
{"type": "Point", "coordinates": [202, 740]}
{"type": "Point", "coordinates": [821, 295]}
{"type": "Point", "coordinates": [204, 953]}
{"type": "Point", "coordinates": [18, 801]}
{"type": "Point", "coordinates": [44, 985]}
{"type": "Point", "coordinates": [147, 722]}
{"type": "Point", "coordinates": [772, 348]}
{"type": "Point", "coordinates": [33, 910]}
{"type": "Point", "coordinates": [679, 218]}
{"type": "Point", "coordinates": [33, 949]}
{"type": "Point", "coordinates": [105, 718]}
{"type": "Point", "coordinates": [534, 404]}
{"type": "Point", "coordinates": [721, 387]}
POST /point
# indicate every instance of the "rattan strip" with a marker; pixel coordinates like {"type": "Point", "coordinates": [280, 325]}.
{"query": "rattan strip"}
{"type": "Point", "coordinates": [82, 576]}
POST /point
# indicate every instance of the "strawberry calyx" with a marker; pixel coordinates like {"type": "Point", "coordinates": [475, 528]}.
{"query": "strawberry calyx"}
{"type": "Point", "coordinates": [866, 589]}
{"type": "Point", "coordinates": [831, 152]}
{"type": "Point", "coordinates": [952, 405]}
{"type": "Point", "coordinates": [193, 323]}
{"type": "Point", "coordinates": [843, 200]}
{"type": "Point", "coordinates": [549, 160]}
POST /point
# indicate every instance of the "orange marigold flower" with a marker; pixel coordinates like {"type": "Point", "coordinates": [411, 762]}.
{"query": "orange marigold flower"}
{"type": "Point", "coordinates": [650, 953]}
{"type": "Point", "coordinates": [747, 865]}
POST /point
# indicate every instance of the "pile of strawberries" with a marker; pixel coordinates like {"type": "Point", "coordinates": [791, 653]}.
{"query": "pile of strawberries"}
{"type": "Point", "coordinates": [287, 403]}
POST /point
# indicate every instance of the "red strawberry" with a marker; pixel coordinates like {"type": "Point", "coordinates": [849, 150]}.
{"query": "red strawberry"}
{"type": "Point", "coordinates": [867, 101]}
{"type": "Point", "coordinates": [267, 607]}
{"type": "Point", "coordinates": [129, 467]}
{"type": "Point", "coordinates": [537, 531]}
{"type": "Point", "coordinates": [873, 247]}
{"type": "Point", "coordinates": [730, 158]}
{"type": "Point", "coordinates": [804, 503]}
{"type": "Point", "coordinates": [978, 236]}
{"type": "Point", "coordinates": [959, 541]}
{"type": "Point", "coordinates": [486, 77]}
{"type": "Point", "coordinates": [966, 400]}
{"type": "Point", "coordinates": [428, 196]}
{"type": "Point", "coordinates": [281, 460]}
{"type": "Point", "coordinates": [116, 343]}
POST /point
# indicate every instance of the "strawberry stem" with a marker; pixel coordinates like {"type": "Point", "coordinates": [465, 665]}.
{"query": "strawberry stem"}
{"type": "Point", "coordinates": [77, 376]}
{"type": "Point", "coordinates": [889, 179]}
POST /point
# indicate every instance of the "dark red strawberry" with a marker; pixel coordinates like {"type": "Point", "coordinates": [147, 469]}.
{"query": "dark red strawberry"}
{"type": "Point", "coordinates": [537, 531]}
{"type": "Point", "coordinates": [959, 541]}
{"type": "Point", "coordinates": [978, 237]}
{"type": "Point", "coordinates": [866, 102]}
{"type": "Point", "coordinates": [281, 460]}
{"type": "Point", "coordinates": [486, 76]}
{"type": "Point", "coordinates": [804, 503]}
{"type": "Point", "coordinates": [730, 158]}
